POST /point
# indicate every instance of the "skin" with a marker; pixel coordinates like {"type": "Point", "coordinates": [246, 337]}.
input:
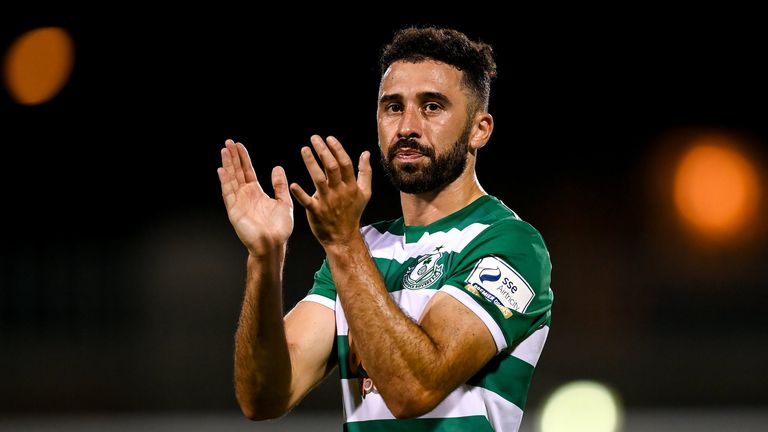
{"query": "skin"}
{"type": "Point", "coordinates": [414, 365]}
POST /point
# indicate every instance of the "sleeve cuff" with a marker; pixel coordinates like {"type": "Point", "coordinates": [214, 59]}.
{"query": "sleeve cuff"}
{"type": "Point", "coordinates": [317, 298]}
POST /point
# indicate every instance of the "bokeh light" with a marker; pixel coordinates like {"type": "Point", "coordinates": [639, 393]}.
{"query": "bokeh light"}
{"type": "Point", "coordinates": [578, 406]}
{"type": "Point", "coordinates": [38, 65]}
{"type": "Point", "coordinates": [716, 188]}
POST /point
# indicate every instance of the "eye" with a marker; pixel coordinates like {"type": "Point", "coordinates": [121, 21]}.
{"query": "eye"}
{"type": "Point", "coordinates": [394, 107]}
{"type": "Point", "coordinates": [432, 107]}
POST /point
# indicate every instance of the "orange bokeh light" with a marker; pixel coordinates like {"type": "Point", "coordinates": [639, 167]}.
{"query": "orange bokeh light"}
{"type": "Point", "coordinates": [38, 64]}
{"type": "Point", "coordinates": [716, 189]}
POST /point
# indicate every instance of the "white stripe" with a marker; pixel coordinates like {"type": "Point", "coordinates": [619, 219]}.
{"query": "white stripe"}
{"type": "Point", "coordinates": [317, 298]}
{"type": "Point", "coordinates": [413, 302]}
{"type": "Point", "coordinates": [351, 398]}
{"type": "Point", "coordinates": [503, 415]}
{"type": "Point", "coordinates": [530, 348]}
{"type": "Point", "coordinates": [462, 402]}
{"type": "Point", "coordinates": [472, 304]}
{"type": "Point", "coordinates": [465, 401]}
{"type": "Point", "coordinates": [393, 247]}
{"type": "Point", "coordinates": [342, 327]}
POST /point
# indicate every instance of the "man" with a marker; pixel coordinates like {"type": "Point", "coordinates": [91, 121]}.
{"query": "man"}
{"type": "Point", "coordinates": [436, 320]}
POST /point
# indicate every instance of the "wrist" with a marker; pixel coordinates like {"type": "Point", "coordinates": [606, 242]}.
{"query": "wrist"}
{"type": "Point", "coordinates": [349, 245]}
{"type": "Point", "coordinates": [268, 254]}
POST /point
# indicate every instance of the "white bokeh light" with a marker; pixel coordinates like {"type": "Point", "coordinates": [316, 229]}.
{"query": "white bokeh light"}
{"type": "Point", "coordinates": [581, 406]}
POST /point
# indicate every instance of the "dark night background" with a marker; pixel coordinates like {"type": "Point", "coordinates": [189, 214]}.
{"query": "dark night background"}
{"type": "Point", "coordinates": [121, 278]}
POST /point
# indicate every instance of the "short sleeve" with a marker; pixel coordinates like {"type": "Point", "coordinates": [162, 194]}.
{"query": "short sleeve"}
{"type": "Point", "coordinates": [323, 290]}
{"type": "Point", "coordinates": [503, 275]}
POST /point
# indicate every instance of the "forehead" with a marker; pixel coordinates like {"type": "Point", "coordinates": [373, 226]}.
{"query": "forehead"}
{"type": "Point", "coordinates": [426, 76]}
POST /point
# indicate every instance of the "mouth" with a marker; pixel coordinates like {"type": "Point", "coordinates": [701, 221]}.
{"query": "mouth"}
{"type": "Point", "coordinates": [408, 155]}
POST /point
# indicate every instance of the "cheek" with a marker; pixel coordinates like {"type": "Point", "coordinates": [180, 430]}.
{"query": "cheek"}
{"type": "Point", "coordinates": [381, 135]}
{"type": "Point", "coordinates": [383, 138]}
{"type": "Point", "coordinates": [386, 130]}
{"type": "Point", "coordinates": [447, 131]}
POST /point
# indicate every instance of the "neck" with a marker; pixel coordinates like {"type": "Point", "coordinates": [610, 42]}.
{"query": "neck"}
{"type": "Point", "coordinates": [427, 207]}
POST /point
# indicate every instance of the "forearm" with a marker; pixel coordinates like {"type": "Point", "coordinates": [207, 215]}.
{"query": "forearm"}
{"type": "Point", "coordinates": [396, 353]}
{"type": "Point", "coordinates": [262, 361]}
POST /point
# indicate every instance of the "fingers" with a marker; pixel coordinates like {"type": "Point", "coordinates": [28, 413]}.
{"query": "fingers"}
{"type": "Point", "coordinates": [315, 172]}
{"type": "Point", "coordinates": [228, 186]}
{"type": "Point", "coordinates": [227, 173]}
{"type": "Point", "coordinates": [280, 185]}
{"type": "Point", "coordinates": [346, 168]}
{"type": "Point", "coordinates": [337, 164]}
{"type": "Point", "coordinates": [236, 166]}
{"type": "Point", "coordinates": [237, 163]}
{"type": "Point", "coordinates": [365, 173]}
{"type": "Point", "coordinates": [237, 170]}
{"type": "Point", "coordinates": [226, 159]}
{"type": "Point", "coordinates": [328, 159]}
{"type": "Point", "coordinates": [245, 159]}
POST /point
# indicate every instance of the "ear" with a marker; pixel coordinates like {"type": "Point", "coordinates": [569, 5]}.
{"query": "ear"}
{"type": "Point", "coordinates": [482, 127]}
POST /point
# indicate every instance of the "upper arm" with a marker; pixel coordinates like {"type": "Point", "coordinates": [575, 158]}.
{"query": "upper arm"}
{"type": "Point", "coordinates": [310, 330]}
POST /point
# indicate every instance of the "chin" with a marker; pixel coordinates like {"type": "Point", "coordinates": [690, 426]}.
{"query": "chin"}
{"type": "Point", "coordinates": [407, 167]}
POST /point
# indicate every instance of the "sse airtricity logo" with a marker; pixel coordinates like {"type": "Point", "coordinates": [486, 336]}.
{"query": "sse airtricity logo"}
{"type": "Point", "coordinates": [501, 285]}
{"type": "Point", "coordinates": [425, 272]}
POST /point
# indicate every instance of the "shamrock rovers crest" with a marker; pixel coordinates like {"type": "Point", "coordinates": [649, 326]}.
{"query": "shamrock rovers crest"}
{"type": "Point", "coordinates": [425, 272]}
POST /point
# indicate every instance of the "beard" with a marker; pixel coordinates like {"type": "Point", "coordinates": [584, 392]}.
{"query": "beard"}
{"type": "Point", "coordinates": [439, 171]}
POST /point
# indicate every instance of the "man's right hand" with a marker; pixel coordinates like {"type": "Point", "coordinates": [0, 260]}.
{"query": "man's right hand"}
{"type": "Point", "coordinates": [263, 224]}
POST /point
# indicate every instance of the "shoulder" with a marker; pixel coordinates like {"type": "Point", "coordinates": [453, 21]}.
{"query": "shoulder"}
{"type": "Point", "coordinates": [505, 230]}
{"type": "Point", "coordinates": [512, 243]}
{"type": "Point", "coordinates": [513, 240]}
{"type": "Point", "coordinates": [516, 230]}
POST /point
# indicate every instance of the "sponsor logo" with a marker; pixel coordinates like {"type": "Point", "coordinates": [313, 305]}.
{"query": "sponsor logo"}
{"type": "Point", "coordinates": [425, 272]}
{"type": "Point", "coordinates": [500, 284]}
{"type": "Point", "coordinates": [479, 291]}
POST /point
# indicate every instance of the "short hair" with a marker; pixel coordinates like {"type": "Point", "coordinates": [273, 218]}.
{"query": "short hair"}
{"type": "Point", "coordinates": [452, 47]}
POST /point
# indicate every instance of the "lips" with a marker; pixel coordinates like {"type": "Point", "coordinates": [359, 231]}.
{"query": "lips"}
{"type": "Point", "coordinates": [408, 154]}
{"type": "Point", "coordinates": [408, 150]}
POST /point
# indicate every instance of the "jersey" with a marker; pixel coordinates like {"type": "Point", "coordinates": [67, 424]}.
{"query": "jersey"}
{"type": "Point", "coordinates": [491, 261]}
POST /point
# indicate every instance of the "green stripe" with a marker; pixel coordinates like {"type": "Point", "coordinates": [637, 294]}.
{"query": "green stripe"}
{"type": "Point", "coordinates": [483, 210]}
{"type": "Point", "coordinates": [392, 279]}
{"type": "Point", "coordinates": [330, 295]}
{"type": "Point", "coordinates": [507, 376]}
{"type": "Point", "coordinates": [392, 226]}
{"type": "Point", "coordinates": [453, 424]}
{"type": "Point", "coordinates": [342, 345]}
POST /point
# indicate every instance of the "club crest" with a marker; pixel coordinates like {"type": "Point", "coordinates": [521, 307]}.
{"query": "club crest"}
{"type": "Point", "coordinates": [425, 272]}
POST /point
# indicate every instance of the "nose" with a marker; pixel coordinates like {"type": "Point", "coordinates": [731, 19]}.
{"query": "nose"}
{"type": "Point", "coordinates": [410, 124]}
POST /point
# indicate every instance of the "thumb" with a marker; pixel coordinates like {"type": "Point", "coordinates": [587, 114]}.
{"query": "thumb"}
{"type": "Point", "coordinates": [280, 185]}
{"type": "Point", "coordinates": [365, 173]}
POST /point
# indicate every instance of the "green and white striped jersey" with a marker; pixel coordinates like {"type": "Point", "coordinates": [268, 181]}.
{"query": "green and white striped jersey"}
{"type": "Point", "coordinates": [494, 263]}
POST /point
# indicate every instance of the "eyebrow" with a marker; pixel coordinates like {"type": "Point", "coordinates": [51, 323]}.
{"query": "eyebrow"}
{"type": "Point", "coordinates": [389, 98]}
{"type": "Point", "coordinates": [435, 96]}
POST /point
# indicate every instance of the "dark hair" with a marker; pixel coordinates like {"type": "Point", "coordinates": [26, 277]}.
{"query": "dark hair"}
{"type": "Point", "coordinates": [452, 47]}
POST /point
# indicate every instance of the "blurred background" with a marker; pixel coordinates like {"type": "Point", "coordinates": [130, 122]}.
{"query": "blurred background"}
{"type": "Point", "coordinates": [636, 147]}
